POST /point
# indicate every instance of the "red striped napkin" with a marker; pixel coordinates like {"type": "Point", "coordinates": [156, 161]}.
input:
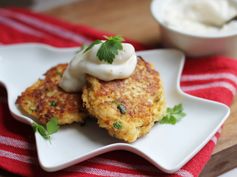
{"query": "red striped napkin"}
{"type": "Point", "coordinates": [214, 78]}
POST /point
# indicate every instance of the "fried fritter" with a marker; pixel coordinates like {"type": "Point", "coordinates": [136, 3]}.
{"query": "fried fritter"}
{"type": "Point", "coordinates": [127, 108]}
{"type": "Point", "coordinates": [45, 100]}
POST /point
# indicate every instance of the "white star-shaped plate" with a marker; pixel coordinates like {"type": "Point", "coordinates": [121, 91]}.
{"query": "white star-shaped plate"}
{"type": "Point", "coordinates": [168, 147]}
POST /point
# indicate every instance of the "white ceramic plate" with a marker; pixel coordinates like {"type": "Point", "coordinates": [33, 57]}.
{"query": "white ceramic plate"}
{"type": "Point", "coordinates": [168, 147]}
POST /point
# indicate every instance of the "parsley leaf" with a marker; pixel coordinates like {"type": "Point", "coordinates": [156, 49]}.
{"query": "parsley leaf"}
{"type": "Point", "coordinates": [173, 115]}
{"type": "Point", "coordinates": [51, 127]}
{"type": "Point", "coordinates": [109, 49]}
{"type": "Point", "coordinates": [92, 45]}
{"type": "Point", "coordinates": [42, 131]}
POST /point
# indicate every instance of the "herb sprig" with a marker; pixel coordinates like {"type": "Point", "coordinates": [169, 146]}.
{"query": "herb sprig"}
{"type": "Point", "coordinates": [173, 115]}
{"type": "Point", "coordinates": [51, 127]}
{"type": "Point", "coordinates": [108, 49]}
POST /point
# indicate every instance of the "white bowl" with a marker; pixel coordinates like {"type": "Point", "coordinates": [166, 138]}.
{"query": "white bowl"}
{"type": "Point", "coordinates": [194, 45]}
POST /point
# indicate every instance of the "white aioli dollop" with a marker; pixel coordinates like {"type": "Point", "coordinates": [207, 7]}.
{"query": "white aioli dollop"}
{"type": "Point", "coordinates": [122, 67]}
{"type": "Point", "coordinates": [201, 16]}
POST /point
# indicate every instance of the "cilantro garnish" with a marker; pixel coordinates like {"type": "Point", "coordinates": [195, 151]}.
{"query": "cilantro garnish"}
{"type": "Point", "coordinates": [51, 127]}
{"type": "Point", "coordinates": [108, 49]}
{"type": "Point", "coordinates": [173, 115]}
{"type": "Point", "coordinates": [42, 131]}
{"type": "Point", "coordinates": [117, 125]}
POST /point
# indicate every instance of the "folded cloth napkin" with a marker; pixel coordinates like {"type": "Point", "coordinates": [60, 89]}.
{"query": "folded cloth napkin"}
{"type": "Point", "coordinates": [213, 78]}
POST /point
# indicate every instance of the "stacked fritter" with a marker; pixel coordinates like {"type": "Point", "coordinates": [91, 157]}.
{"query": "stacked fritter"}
{"type": "Point", "coordinates": [126, 108]}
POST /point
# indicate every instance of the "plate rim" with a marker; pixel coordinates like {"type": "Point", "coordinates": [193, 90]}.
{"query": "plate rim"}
{"type": "Point", "coordinates": [122, 146]}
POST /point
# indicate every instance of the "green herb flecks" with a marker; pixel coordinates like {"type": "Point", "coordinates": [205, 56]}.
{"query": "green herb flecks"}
{"type": "Point", "coordinates": [173, 115]}
{"type": "Point", "coordinates": [32, 109]}
{"type": "Point", "coordinates": [121, 108]}
{"type": "Point", "coordinates": [53, 103]}
{"type": "Point", "coordinates": [51, 127]}
{"type": "Point", "coordinates": [117, 125]}
{"type": "Point", "coordinates": [59, 73]}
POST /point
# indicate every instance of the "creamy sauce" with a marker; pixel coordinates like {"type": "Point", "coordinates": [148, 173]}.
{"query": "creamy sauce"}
{"type": "Point", "coordinates": [201, 16]}
{"type": "Point", "coordinates": [122, 67]}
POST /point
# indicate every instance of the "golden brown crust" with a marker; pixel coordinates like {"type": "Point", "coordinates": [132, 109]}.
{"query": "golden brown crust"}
{"type": "Point", "coordinates": [141, 94]}
{"type": "Point", "coordinates": [45, 99]}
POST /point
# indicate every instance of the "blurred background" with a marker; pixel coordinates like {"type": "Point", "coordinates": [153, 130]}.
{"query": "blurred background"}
{"type": "Point", "coordinates": [102, 15]}
{"type": "Point", "coordinates": [37, 5]}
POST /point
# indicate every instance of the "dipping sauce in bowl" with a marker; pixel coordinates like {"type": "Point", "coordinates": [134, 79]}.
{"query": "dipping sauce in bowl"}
{"type": "Point", "coordinates": [204, 17]}
{"type": "Point", "coordinates": [198, 27]}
